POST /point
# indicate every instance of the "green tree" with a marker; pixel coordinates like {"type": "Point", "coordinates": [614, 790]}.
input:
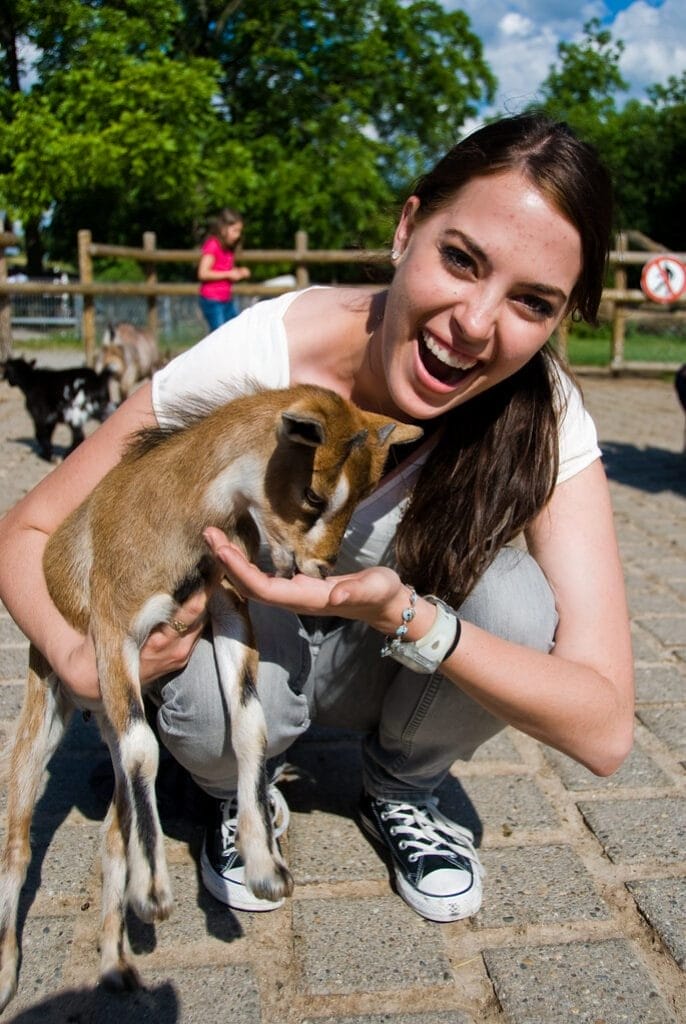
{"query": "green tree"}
{"type": "Point", "coordinates": [643, 144]}
{"type": "Point", "coordinates": [152, 114]}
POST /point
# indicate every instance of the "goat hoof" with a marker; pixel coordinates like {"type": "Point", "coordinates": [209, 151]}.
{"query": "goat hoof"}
{"type": "Point", "coordinates": [122, 978]}
{"type": "Point", "coordinates": [274, 888]}
{"type": "Point", "coordinates": [157, 907]}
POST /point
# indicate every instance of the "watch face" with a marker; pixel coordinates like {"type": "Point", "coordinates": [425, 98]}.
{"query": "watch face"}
{"type": "Point", "coordinates": [664, 279]}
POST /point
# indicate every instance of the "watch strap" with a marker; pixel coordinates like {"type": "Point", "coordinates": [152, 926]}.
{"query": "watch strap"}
{"type": "Point", "coordinates": [427, 653]}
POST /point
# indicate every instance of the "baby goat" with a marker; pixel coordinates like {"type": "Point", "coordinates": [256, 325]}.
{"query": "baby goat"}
{"type": "Point", "coordinates": [72, 396]}
{"type": "Point", "coordinates": [287, 467]}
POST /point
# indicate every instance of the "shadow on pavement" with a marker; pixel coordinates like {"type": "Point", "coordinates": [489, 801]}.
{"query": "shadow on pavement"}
{"type": "Point", "coordinates": [653, 470]}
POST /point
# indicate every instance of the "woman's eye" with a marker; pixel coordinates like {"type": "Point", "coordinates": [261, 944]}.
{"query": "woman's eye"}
{"type": "Point", "coordinates": [536, 305]}
{"type": "Point", "coordinates": [456, 259]}
{"type": "Point", "coordinates": [314, 500]}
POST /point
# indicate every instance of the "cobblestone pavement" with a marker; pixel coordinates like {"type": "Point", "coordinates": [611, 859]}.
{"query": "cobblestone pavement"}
{"type": "Point", "coordinates": [584, 918]}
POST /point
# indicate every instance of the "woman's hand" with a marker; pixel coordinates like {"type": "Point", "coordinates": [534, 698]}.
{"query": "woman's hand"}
{"type": "Point", "coordinates": [375, 596]}
{"type": "Point", "coordinates": [166, 650]}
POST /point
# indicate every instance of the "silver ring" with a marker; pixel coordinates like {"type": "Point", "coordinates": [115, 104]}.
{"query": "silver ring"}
{"type": "Point", "coordinates": [179, 627]}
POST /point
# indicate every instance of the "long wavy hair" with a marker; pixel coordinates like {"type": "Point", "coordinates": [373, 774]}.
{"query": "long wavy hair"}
{"type": "Point", "coordinates": [495, 463]}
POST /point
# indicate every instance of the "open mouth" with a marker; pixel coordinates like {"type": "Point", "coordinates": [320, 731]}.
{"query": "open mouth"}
{"type": "Point", "coordinates": [442, 363]}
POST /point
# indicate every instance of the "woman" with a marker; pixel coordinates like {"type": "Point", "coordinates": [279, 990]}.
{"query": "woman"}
{"type": "Point", "coordinates": [217, 271]}
{"type": "Point", "coordinates": [502, 239]}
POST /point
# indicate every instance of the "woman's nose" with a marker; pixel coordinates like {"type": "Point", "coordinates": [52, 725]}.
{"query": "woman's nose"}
{"type": "Point", "coordinates": [475, 316]}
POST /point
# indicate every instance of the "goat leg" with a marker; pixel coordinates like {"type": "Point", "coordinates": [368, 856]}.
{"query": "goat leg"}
{"type": "Point", "coordinates": [266, 873]}
{"type": "Point", "coordinates": [41, 725]}
{"type": "Point", "coordinates": [135, 757]}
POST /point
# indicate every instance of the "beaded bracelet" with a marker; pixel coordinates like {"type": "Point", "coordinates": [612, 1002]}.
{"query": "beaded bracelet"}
{"type": "Point", "coordinates": [407, 616]}
{"type": "Point", "coordinates": [430, 651]}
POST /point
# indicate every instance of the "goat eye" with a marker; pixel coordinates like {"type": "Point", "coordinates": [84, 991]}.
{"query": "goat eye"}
{"type": "Point", "coordinates": [313, 499]}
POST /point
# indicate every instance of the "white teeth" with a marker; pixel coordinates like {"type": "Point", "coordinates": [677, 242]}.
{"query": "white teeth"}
{"type": "Point", "coordinates": [445, 355]}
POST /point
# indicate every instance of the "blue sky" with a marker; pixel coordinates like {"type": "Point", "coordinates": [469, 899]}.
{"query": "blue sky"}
{"type": "Point", "coordinates": [520, 40]}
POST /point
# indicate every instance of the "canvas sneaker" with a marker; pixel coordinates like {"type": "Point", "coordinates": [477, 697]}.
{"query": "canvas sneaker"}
{"type": "Point", "coordinates": [221, 865]}
{"type": "Point", "coordinates": [436, 867]}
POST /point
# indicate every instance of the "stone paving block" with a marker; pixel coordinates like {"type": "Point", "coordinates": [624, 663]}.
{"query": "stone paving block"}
{"type": "Point", "coordinates": [536, 885]}
{"type": "Point", "coordinates": [647, 829]}
{"type": "Point", "coordinates": [315, 842]}
{"type": "Point", "coordinates": [11, 698]}
{"type": "Point", "coordinates": [505, 803]}
{"type": "Point", "coordinates": [14, 661]}
{"type": "Point", "coordinates": [669, 629]}
{"type": "Point", "coordinates": [646, 647]}
{"type": "Point", "coordinates": [499, 748]}
{"type": "Point", "coordinates": [215, 995]}
{"type": "Point", "coordinates": [653, 601]}
{"type": "Point", "coordinates": [46, 944]}
{"type": "Point", "coordinates": [584, 982]}
{"type": "Point", "coordinates": [661, 682]}
{"type": "Point", "coordinates": [435, 1017]}
{"type": "Point", "coordinates": [366, 945]}
{"type": "Point", "coordinates": [639, 769]}
{"type": "Point", "coordinates": [668, 724]}
{"type": "Point", "coordinates": [196, 917]}
{"type": "Point", "coordinates": [200, 995]}
{"type": "Point", "coordinates": [62, 862]}
{"type": "Point", "coordinates": [10, 632]}
{"type": "Point", "coordinates": [662, 901]}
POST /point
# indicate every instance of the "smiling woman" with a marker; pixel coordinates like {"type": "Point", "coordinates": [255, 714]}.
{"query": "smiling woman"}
{"type": "Point", "coordinates": [435, 633]}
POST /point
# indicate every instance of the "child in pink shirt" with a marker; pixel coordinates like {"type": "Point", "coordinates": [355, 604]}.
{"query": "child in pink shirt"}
{"type": "Point", "coordinates": [216, 270]}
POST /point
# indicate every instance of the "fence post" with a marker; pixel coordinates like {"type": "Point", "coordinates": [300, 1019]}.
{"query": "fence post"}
{"type": "Point", "coordinates": [562, 337]}
{"type": "Point", "coordinates": [86, 277]}
{"type": "Point", "coordinates": [302, 274]}
{"type": "Point", "coordinates": [619, 311]}
{"type": "Point", "coordinates": [5, 309]}
{"type": "Point", "coordinates": [152, 323]}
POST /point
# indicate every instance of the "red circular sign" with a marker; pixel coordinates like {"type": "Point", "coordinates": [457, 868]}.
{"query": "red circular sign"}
{"type": "Point", "coordinates": [664, 279]}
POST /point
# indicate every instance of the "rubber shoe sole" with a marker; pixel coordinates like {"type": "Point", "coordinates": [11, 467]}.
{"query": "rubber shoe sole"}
{"type": "Point", "coordinates": [441, 909]}
{"type": "Point", "coordinates": [231, 892]}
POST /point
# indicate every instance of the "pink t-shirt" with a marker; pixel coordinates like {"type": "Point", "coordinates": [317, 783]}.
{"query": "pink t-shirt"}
{"type": "Point", "coordinates": [220, 291]}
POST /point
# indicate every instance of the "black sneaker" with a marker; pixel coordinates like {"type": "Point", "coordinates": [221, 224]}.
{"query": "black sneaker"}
{"type": "Point", "coordinates": [221, 865]}
{"type": "Point", "coordinates": [437, 869]}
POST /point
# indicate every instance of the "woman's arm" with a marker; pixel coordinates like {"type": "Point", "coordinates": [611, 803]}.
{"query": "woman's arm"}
{"type": "Point", "coordinates": [24, 532]}
{"type": "Point", "coordinates": [578, 699]}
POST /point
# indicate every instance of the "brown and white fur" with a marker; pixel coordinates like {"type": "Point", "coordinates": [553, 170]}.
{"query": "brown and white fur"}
{"type": "Point", "coordinates": [288, 466]}
{"type": "Point", "coordinates": [130, 354]}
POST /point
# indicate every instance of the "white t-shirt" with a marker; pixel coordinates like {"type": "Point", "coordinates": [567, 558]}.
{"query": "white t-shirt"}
{"type": "Point", "coordinates": [253, 349]}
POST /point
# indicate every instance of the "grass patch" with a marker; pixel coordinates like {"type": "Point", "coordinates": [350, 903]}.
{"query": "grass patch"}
{"type": "Point", "coordinates": [593, 347]}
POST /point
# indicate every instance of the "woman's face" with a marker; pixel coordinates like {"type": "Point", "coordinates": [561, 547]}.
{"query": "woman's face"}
{"type": "Point", "coordinates": [479, 287]}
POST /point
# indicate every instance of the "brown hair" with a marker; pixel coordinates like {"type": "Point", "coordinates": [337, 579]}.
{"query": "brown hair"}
{"type": "Point", "coordinates": [495, 464]}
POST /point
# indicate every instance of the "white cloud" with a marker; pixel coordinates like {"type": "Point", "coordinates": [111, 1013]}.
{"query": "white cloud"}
{"type": "Point", "coordinates": [514, 24]}
{"type": "Point", "coordinates": [520, 41]}
{"type": "Point", "coordinates": [655, 43]}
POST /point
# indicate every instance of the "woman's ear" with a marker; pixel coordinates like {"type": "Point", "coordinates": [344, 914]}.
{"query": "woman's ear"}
{"type": "Point", "coordinates": [405, 225]}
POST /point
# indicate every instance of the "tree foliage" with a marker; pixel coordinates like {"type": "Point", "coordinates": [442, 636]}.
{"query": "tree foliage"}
{"type": "Point", "coordinates": [643, 144]}
{"type": "Point", "coordinates": [150, 114]}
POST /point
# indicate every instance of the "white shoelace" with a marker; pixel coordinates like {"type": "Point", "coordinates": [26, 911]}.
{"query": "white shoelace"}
{"type": "Point", "coordinates": [427, 832]}
{"type": "Point", "coordinates": [281, 815]}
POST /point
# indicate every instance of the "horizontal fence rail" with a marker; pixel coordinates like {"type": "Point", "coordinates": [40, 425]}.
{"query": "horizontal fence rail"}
{"type": "Point", "coordinates": [620, 303]}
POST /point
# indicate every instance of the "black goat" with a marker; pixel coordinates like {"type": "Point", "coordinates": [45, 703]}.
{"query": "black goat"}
{"type": "Point", "coordinates": [72, 396]}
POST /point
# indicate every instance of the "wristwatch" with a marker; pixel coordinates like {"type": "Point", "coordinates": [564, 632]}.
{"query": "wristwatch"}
{"type": "Point", "coordinates": [430, 651]}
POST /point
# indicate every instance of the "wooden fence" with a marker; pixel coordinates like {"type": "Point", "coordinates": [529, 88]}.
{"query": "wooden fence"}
{"type": "Point", "coordinates": [620, 303]}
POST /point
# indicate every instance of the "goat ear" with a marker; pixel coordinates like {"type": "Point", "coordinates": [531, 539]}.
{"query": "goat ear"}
{"type": "Point", "coordinates": [398, 433]}
{"type": "Point", "coordinates": [302, 429]}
